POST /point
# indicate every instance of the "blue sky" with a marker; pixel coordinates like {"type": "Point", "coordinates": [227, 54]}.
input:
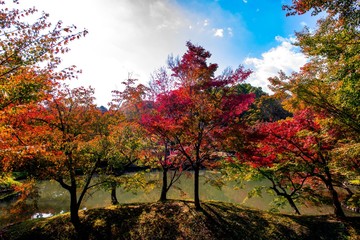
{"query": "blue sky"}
{"type": "Point", "coordinates": [136, 36]}
{"type": "Point", "coordinates": [263, 20]}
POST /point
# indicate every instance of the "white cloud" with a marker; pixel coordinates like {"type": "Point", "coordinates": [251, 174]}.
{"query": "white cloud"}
{"type": "Point", "coordinates": [285, 57]}
{"type": "Point", "coordinates": [124, 37]}
{"type": "Point", "coordinates": [303, 24]}
{"type": "Point", "coordinates": [136, 36]}
{"type": "Point", "coordinates": [219, 32]}
{"type": "Point", "coordinates": [230, 31]}
{"type": "Point", "coordinates": [245, 1]}
{"type": "Point", "coordinates": [206, 23]}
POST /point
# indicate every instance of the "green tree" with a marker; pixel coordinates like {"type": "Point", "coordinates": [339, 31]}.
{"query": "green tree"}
{"type": "Point", "coordinates": [330, 80]}
{"type": "Point", "coordinates": [265, 108]}
{"type": "Point", "coordinates": [127, 151]}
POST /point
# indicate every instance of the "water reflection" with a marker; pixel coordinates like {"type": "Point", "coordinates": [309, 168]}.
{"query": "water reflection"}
{"type": "Point", "coordinates": [55, 200]}
{"type": "Point", "coordinates": [41, 215]}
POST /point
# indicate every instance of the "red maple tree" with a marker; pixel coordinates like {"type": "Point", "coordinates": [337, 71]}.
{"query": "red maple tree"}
{"type": "Point", "coordinates": [300, 141]}
{"type": "Point", "coordinates": [194, 115]}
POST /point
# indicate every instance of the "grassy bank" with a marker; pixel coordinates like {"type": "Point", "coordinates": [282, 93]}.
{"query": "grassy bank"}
{"type": "Point", "coordinates": [180, 220]}
{"type": "Point", "coordinates": [7, 188]}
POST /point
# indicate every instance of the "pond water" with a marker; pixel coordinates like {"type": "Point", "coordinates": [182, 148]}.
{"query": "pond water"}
{"type": "Point", "coordinates": [55, 200]}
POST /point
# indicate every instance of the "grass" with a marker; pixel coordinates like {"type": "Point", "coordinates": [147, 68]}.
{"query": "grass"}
{"type": "Point", "coordinates": [180, 220]}
{"type": "Point", "coordinates": [6, 188]}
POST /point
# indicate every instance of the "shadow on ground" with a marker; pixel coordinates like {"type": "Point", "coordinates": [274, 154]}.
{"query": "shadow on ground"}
{"type": "Point", "coordinates": [180, 220]}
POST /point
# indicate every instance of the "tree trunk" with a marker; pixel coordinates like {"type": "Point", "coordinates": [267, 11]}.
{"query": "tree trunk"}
{"type": "Point", "coordinates": [74, 210]}
{"type": "Point", "coordinates": [349, 195]}
{"type": "Point", "coordinates": [292, 204]}
{"type": "Point", "coordinates": [74, 214]}
{"type": "Point", "coordinates": [196, 187]}
{"type": "Point", "coordinates": [336, 202]}
{"type": "Point", "coordinates": [334, 195]}
{"type": "Point", "coordinates": [114, 200]}
{"type": "Point", "coordinates": [164, 188]}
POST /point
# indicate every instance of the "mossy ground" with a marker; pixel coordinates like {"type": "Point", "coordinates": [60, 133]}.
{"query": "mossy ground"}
{"type": "Point", "coordinates": [180, 220]}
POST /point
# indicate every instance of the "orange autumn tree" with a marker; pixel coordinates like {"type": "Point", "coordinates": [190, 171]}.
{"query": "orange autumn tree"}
{"type": "Point", "coordinates": [58, 139]}
{"type": "Point", "coordinates": [347, 11]}
{"type": "Point", "coordinates": [30, 50]}
{"type": "Point", "coordinates": [30, 53]}
{"type": "Point", "coordinates": [193, 116]}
